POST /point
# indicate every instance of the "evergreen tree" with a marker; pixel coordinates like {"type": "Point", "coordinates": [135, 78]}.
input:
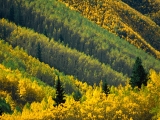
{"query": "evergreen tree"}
{"type": "Point", "coordinates": [4, 107]}
{"type": "Point", "coordinates": [4, 36]}
{"type": "Point", "coordinates": [11, 14]}
{"type": "Point", "coordinates": [1, 111]}
{"type": "Point", "coordinates": [61, 38]}
{"type": "Point", "coordinates": [139, 75]}
{"type": "Point", "coordinates": [59, 93]}
{"type": "Point", "coordinates": [45, 32]}
{"type": "Point", "coordinates": [38, 55]}
{"type": "Point", "coordinates": [105, 87]}
{"type": "Point", "coordinates": [18, 17]}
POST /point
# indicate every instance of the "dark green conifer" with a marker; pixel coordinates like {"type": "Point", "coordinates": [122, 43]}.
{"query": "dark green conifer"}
{"type": "Point", "coordinates": [11, 14]}
{"type": "Point", "coordinates": [38, 55]}
{"type": "Point", "coordinates": [139, 76]}
{"type": "Point", "coordinates": [105, 87]}
{"type": "Point", "coordinates": [59, 93]}
{"type": "Point", "coordinates": [4, 36]}
{"type": "Point", "coordinates": [18, 17]}
{"type": "Point", "coordinates": [4, 107]}
{"type": "Point", "coordinates": [45, 32]}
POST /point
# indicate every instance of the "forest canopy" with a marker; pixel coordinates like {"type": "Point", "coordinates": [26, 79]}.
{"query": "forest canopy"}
{"type": "Point", "coordinates": [79, 60]}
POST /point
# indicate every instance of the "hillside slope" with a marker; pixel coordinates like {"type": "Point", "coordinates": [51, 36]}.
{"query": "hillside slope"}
{"type": "Point", "coordinates": [77, 32]}
{"type": "Point", "coordinates": [45, 40]}
{"type": "Point", "coordinates": [67, 60]}
{"type": "Point", "coordinates": [122, 103]}
{"type": "Point", "coordinates": [18, 59]}
{"type": "Point", "coordinates": [122, 20]}
{"type": "Point", "coordinates": [148, 8]}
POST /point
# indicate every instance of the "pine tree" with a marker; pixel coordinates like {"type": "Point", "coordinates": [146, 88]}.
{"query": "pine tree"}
{"type": "Point", "coordinates": [139, 75]}
{"type": "Point", "coordinates": [18, 17]}
{"type": "Point", "coordinates": [4, 36]}
{"type": "Point", "coordinates": [1, 111]}
{"type": "Point", "coordinates": [105, 87]}
{"type": "Point", "coordinates": [11, 14]}
{"type": "Point", "coordinates": [4, 107]}
{"type": "Point", "coordinates": [59, 93]}
{"type": "Point", "coordinates": [45, 32]}
{"type": "Point", "coordinates": [38, 55]}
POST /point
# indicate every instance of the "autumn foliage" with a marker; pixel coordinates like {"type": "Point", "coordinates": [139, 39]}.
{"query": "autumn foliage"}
{"type": "Point", "coordinates": [121, 103]}
{"type": "Point", "coordinates": [76, 60]}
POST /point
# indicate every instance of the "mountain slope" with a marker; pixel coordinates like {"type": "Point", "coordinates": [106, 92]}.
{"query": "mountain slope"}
{"type": "Point", "coordinates": [122, 20]}
{"type": "Point", "coordinates": [148, 8]}
{"type": "Point", "coordinates": [67, 60]}
{"type": "Point", "coordinates": [66, 40]}
{"type": "Point", "coordinates": [77, 32]}
{"type": "Point", "coordinates": [18, 59]}
{"type": "Point", "coordinates": [144, 6]}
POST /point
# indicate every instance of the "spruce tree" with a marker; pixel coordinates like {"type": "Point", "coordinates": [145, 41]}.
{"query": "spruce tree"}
{"type": "Point", "coordinates": [38, 55]}
{"type": "Point", "coordinates": [139, 76]}
{"type": "Point", "coordinates": [4, 35]}
{"type": "Point", "coordinates": [11, 14]}
{"type": "Point", "coordinates": [45, 32]}
{"type": "Point", "coordinates": [105, 87]}
{"type": "Point", "coordinates": [1, 111]}
{"type": "Point", "coordinates": [4, 107]}
{"type": "Point", "coordinates": [18, 17]}
{"type": "Point", "coordinates": [59, 93]}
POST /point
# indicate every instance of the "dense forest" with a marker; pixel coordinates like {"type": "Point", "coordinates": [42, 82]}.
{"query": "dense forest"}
{"type": "Point", "coordinates": [79, 59]}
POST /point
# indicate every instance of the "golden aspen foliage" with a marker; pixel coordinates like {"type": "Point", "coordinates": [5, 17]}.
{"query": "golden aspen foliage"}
{"type": "Point", "coordinates": [49, 16]}
{"type": "Point", "coordinates": [122, 103]}
{"type": "Point", "coordinates": [62, 57]}
{"type": "Point", "coordinates": [21, 87]}
{"type": "Point", "coordinates": [116, 17]}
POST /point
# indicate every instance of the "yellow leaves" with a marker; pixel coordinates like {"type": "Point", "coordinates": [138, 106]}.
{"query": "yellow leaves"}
{"type": "Point", "coordinates": [111, 14]}
{"type": "Point", "coordinates": [22, 90]}
{"type": "Point", "coordinates": [10, 101]}
{"type": "Point", "coordinates": [123, 103]}
{"type": "Point", "coordinates": [90, 115]}
{"type": "Point", "coordinates": [50, 102]}
{"type": "Point", "coordinates": [119, 112]}
{"type": "Point", "coordinates": [30, 91]}
{"type": "Point", "coordinates": [155, 77]}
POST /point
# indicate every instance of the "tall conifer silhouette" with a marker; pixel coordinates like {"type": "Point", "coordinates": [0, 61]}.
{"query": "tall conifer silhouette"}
{"type": "Point", "coordinates": [59, 93]}
{"type": "Point", "coordinates": [139, 75]}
